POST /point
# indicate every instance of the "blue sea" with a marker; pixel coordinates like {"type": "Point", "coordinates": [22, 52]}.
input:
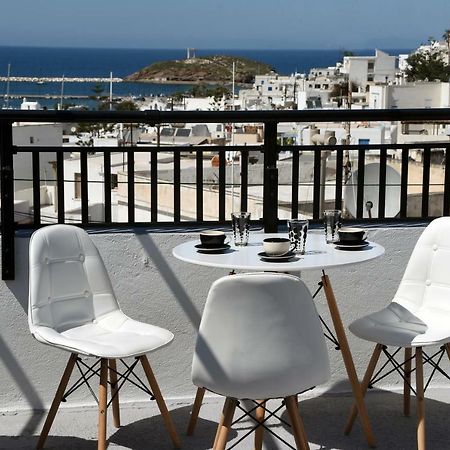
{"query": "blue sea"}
{"type": "Point", "coordinates": [91, 62]}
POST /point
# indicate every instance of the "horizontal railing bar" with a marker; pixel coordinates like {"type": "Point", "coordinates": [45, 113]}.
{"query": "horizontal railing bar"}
{"type": "Point", "coordinates": [158, 117]}
{"type": "Point", "coordinates": [186, 149]}
{"type": "Point", "coordinates": [220, 148]}
{"type": "Point", "coordinates": [256, 225]}
{"type": "Point", "coordinates": [365, 147]}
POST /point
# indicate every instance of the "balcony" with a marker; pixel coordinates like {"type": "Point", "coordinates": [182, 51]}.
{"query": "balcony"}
{"type": "Point", "coordinates": [154, 287]}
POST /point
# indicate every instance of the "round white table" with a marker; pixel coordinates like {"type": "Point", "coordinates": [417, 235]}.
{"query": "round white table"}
{"type": "Point", "coordinates": [319, 256]}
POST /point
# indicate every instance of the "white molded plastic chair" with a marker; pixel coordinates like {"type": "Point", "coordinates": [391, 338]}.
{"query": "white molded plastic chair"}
{"type": "Point", "coordinates": [72, 306]}
{"type": "Point", "coordinates": [260, 338]}
{"type": "Point", "coordinates": [417, 317]}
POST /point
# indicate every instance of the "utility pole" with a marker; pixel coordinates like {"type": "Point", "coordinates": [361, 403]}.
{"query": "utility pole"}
{"type": "Point", "coordinates": [110, 90]}
{"type": "Point", "coordinates": [62, 94]}
{"type": "Point", "coordinates": [347, 163]}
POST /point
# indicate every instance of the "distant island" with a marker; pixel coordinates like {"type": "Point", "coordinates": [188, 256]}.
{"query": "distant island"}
{"type": "Point", "coordinates": [205, 69]}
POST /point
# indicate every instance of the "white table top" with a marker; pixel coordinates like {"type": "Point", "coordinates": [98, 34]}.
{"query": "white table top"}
{"type": "Point", "coordinates": [319, 255]}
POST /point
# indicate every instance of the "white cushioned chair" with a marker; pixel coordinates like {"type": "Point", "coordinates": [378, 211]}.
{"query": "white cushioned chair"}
{"type": "Point", "coordinates": [72, 306]}
{"type": "Point", "coordinates": [260, 338]}
{"type": "Point", "coordinates": [417, 317]}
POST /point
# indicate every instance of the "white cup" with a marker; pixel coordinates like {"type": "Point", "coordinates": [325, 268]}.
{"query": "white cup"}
{"type": "Point", "coordinates": [276, 246]}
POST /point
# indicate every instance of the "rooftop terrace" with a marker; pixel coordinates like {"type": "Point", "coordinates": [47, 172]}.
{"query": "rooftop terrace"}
{"type": "Point", "coordinates": [152, 286]}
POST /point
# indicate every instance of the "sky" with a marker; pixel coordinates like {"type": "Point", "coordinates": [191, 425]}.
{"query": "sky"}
{"type": "Point", "coordinates": [225, 24]}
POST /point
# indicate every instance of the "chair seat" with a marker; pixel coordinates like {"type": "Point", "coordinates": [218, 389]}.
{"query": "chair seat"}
{"type": "Point", "coordinates": [397, 326]}
{"type": "Point", "coordinates": [113, 335]}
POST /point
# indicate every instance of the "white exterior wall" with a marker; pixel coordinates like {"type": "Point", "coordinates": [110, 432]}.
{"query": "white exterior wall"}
{"type": "Point", "coordinates": [418, 95]}
{"type": "Point", "coordinates": [384, 67]}
{"type": "Point", "coordinates": [154, 287]}
{"type": "Point", "coordinates": [377, 97]}
{"type": "Point", "coordinates": [376, 135]}
{"type": "Point", "coordinates": [26, 135]}
{"type": "Point", "coordinates": [412, 95]}
{"type": "Point", "coordinates": [357, 69]}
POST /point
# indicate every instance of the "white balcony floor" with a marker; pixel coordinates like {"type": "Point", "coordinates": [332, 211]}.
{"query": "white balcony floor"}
{"type": "Point", "coordinates": [324, 418]}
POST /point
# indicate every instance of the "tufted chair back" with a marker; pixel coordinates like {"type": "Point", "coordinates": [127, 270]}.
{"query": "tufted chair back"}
{"type": "Point", "coordinates": [425, 285]}
{"type": "Point", "coordinates": [68, 284]}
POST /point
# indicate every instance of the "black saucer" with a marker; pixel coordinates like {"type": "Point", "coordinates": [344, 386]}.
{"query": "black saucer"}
{"type": "Point", "coordinates": [351, 245]}
{"type": "Point", "coordinates": [208, 249]}
{"type": "Point", "coordinates": [276, 258]}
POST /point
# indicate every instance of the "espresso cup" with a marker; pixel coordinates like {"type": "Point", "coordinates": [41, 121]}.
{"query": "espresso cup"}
{"type": "Point", "coordinates": [276, 246]}
{"type": "Point", "coordinates": [352, 234]}
{"type": "Point", "coordinates": [212, 238]}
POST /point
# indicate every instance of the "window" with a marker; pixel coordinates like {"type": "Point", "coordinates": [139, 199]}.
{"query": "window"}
{"type": "Point", "coordinates": [77, 177]}
{"type": "Point", "coordinates": [114, 181]}
{"type": "Point", "coordinates": [31, 139]}
{"type": "Point", "coordinates": [363, 141]}
{"type": "Point", "coordinates": [371, 65]}
{"type": "Point", "coordinates": [167, 131]}
{"type": "Point", "coordinates": [370, 77]}
{"type": "Point", "coordinates": [183, 132]}
{"type": "Point", "coordinates": [269, 88]}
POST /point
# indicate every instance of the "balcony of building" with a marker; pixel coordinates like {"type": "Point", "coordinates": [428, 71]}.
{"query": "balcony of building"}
{"type": "Point", "coordinates": [138, 203]}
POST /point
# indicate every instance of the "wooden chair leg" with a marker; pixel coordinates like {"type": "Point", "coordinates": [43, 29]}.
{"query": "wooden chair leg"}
{"type": "Point", "coordinates": [364, 386]}
{"type": "Point", "coordinates": [298, 429]}
{"type": "Point", "coordinates": [114, 392]}
{"type": "Point", "coordinates": [259, 432]}
{"type": "Point", "coordinates": [195, 411]}
{"type": "Point", "coordinates": [447, 348]}
{"type": "Point", "coordinates": [219, 425]}
{"type": "Point", "coordinates": [160, 402]}
{"type": "Point", "coordinates": [420, 400]}
{"type": "Point", "coordinates": [407, 383]}
{"type": "Point", "coordinates": [348, 360]}
{"type": "Point", "coordinates": [57, 400]}
{"type": "Point", "coordinates": [224, 427]}
{"type": "Point", "coordinates": [102, 404]}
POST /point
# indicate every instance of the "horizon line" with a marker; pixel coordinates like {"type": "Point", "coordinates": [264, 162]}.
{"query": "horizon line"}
{"type": "Point", "coordinates": [210, 48]}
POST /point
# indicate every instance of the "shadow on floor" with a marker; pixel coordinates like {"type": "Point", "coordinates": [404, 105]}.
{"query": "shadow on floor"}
{"type": "Point", "coordinates": [144, 433]}
{"type": "Point", "coordinates": [325, 417]}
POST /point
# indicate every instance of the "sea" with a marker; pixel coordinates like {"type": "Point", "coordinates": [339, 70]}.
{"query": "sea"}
{"type": "Point", "coordinates": [95, 62]}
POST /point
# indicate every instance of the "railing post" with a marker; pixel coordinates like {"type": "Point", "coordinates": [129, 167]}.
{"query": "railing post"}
{"type": "Point", "coordinates": [7, 199]}
{"type": "Point", "coordinates": [270, 194]}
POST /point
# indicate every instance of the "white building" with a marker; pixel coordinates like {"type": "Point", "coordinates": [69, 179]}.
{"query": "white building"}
{"type": "Point", "coordinates": [272, 91]}
{"type": "Point", "coordinates": [363, 70]}
{"type": "Point", "coordinates": [410, 95]}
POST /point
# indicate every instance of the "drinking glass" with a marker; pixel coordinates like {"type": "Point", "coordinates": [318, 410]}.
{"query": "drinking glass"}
{"type": "Point", "coordinates": [332, 223]}
{"type": "Point", "coordinates": [241, 227]}
{"type": "Point", "coordinates": [298, 230]}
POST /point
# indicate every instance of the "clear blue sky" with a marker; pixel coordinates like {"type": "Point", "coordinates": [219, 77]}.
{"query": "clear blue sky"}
{"type": "Point", "coordinates": [326, 24]}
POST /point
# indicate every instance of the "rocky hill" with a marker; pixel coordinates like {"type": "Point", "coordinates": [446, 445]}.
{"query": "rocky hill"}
{"type": "Point", "coordinates": [207, 69]}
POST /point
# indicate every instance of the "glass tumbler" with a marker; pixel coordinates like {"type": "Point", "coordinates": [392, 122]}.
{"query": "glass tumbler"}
{"type": "Point", "coordinates": [298, 231]}
{"type": "Point", "coordinates": [332, 223]}
{"type": "Point", "coordinates": [241, 227]}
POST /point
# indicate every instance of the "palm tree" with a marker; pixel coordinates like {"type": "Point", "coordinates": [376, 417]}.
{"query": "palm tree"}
{"type": "Point", "coordinates": [446, 37]}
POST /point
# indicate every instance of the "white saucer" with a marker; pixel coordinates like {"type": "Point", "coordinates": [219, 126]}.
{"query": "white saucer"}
{"type": "Point", "coordinates": [202, 249]}
{"type": "Point", "coordinates": [276, 258]}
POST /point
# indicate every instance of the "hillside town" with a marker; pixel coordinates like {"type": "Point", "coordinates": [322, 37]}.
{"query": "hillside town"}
{"type": "Point", "coordinates": [379, 81]}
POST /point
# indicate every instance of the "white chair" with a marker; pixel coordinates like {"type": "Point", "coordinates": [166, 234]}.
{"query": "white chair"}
{"type": "Point", "coordinates": [417, 317]}
{"type": "Point", "coordinates": [260, 338]}
{"type": "Point", "coordinates": [72, 306]}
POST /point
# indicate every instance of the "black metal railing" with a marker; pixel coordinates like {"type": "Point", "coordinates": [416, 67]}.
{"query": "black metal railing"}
{"type": "Point", "coordinates": [269, 149]}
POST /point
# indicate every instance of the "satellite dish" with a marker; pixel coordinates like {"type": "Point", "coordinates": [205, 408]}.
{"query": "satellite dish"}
{"type": "Point", "coordinates": [371, 192]}
{"type": "Point", "coordinates": [73, 129]}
